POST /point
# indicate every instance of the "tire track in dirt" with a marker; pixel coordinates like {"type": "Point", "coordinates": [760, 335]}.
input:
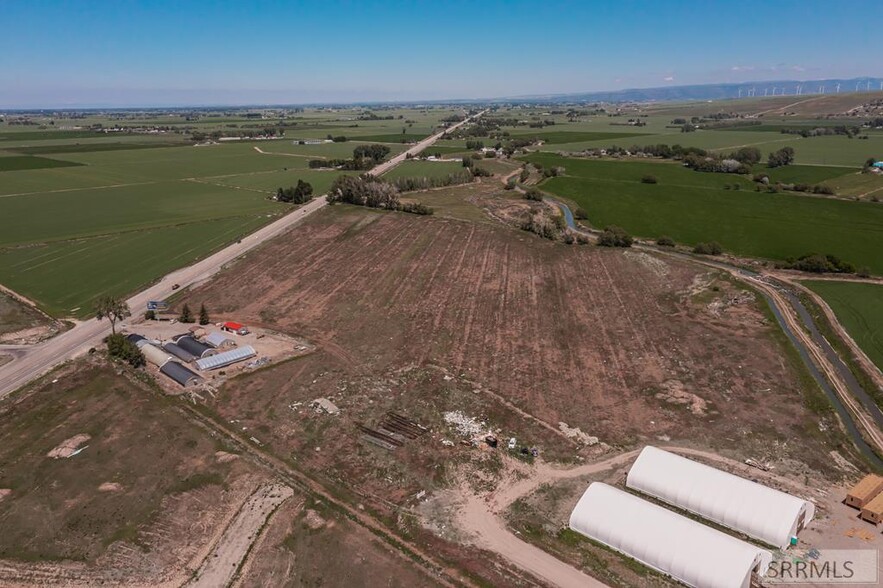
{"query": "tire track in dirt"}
{"type": "Point", "coordinates": [474, 300]}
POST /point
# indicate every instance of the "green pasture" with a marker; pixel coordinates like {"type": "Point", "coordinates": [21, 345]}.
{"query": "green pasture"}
{"type": "Point", "coordinates": [84, 213]}
{"type": "Point", "coordinates": [24, 162]}
{"type": "Point", "coordinates": [859, 308]}
{"type": "Point", "coordinates": [692, 207]}
{"type": "Point", "coordinates": [558, 137]}
{"type": "Point", "coordinates": [64, 277]}
{"type": "Point", "coordinates": [802, 174]}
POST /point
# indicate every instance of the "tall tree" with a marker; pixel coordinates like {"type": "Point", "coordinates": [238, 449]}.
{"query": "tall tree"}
{"type": "Point", "coordinates": [203, 315]}
{"type": "Point", "coordinates": [112, 309]}
{"type": "Point", "coordinates": [186, 315]}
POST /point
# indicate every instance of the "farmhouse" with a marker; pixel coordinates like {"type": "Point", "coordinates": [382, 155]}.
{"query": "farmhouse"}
{"type": "Point", "coordinates": [227, 358]}
{"type": "Point", "coordinates": [865, 491]}
{"type": "Point", "coordinates": [180, 374]}
{"type": "Point", "coordinates": [758, 511]}
{"type": "Point", "coordinates": [686, 550]}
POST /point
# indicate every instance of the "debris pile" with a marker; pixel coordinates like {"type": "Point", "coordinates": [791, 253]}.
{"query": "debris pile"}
{"type": "Point", "coordinates": [325, 405]}
{"type": "Point", "coordinates": [69, 447]}
{"type": "Point", "coordinates": [465, 425]}
{"type": "Point", "coordinates": [576, 433]}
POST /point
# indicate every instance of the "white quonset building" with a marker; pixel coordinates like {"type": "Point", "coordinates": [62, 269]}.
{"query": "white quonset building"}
{"type": "Point", "coordinates": [672, 544]}
{"type": "Point", "coordinates": [756, 510]}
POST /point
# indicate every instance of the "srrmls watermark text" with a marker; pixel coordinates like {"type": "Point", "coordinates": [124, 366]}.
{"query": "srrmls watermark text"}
{"type": "Point", "coordinates": [829, 566]}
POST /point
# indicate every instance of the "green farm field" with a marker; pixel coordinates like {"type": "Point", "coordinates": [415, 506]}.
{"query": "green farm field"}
{"type": "Point", "coordinates": [692, 207]}
{"type": "Point", "coordinates": [859, 308]}
{"type": "Point", "coordinates": [89, 213]}
{"type": "Point", "coordinates": [65, 276]}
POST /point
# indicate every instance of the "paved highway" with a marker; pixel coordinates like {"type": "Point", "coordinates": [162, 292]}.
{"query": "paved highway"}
{"type": "Point", "coordinates": [41, 358]}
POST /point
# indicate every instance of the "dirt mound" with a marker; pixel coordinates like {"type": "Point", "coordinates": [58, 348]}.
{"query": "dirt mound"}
{"type": "Point", "coordinates": [69, 447]}
{"type": "Point", "coordinates": [224, 457]}
{"type": "Point", "coordinates": [4, 492]}
{"type": "Point", "coordinates": [675, 393]}
{"type": "Point", "coordinates": [110, 487]}
{"type": "Point", "coordinates": [314, 520]}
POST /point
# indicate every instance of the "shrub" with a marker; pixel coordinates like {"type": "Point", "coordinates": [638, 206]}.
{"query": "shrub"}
{"type": "Point", "coordinates": [817, 263]}
{"type": "Point", "coordinates": [863, 272]}
{"type": "Point", "coordinates": [614, 236]}
{"type": "Point", "coordinates": [150, 315]}
{"type": "Point", "coordinates": [119, 347]}
{"type": "Point", "coordinates": [665, 241]}
{"type": "Point", "coordinates": [580, 213]}
{"type": "Point", "coordinates": [534, 194]}
{"type": "Point", "coordinates": [710, 248]}
{"type": "Point", "coordinates": [648, 179]}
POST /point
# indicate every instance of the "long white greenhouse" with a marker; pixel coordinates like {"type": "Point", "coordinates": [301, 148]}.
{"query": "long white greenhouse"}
{"type": "Point", "coordinates": [682, 548]}
{"type": "Point", "coordinates": [756, 510]}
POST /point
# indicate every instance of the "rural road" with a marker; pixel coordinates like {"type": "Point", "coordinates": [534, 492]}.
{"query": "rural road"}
{"type": "Point", "coordinates": [43, 357]}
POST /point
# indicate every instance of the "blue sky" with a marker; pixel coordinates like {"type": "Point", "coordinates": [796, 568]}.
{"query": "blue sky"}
{"type": "Point", "coordinates": [127, 53]}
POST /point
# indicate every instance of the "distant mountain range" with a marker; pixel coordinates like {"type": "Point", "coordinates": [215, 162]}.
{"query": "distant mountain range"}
{"type": "Point", "coordinates": [712, 91]}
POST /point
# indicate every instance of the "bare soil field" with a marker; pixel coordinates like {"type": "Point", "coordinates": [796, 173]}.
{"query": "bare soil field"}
{"type": "Point", "coordinates": [425, 315]}
{"type": "Point", "coordinates": [21, 324]}
{"type": "Point", "coordinates": [131, 493]}
{"type": "Point", "coordinates": [307, 544]}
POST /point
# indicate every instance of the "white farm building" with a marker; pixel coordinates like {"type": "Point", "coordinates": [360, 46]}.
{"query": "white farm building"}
{"type": "Point", "coordinates": [672, 544]}
{"type": "Point", "coordinates": [758, 511]}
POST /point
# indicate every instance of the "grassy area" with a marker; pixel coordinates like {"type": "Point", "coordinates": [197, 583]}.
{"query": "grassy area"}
{"type": "Point", "coordinates": [802, 174]}
{"type": "Point", "coordinates": [89, 147]}
{"type": "Point", "coordinates": [859, 308]}
{"type": "Point", "coordinates": [692, 207]}
{"type": "Point", "coordinates": [65, 276]}
{"type": "Point", "coordinates": [15, 316]}
{"type": "Point", "coordinates": [392, 138]}
{"type": "Point", "coordinates": [23, 162]}
{"type": "Point", "coordinates": [559, 137]}
{"type": "Point", "coordinates": [55, 510]}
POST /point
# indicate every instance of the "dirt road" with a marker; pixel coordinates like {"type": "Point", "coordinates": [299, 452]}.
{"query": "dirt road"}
{"type": "Point", "coordinates": [225, 560]}
{"type": "Point", "coordinates": [482, 516]}
{"type": "Point", "coordinates": [45, 356]}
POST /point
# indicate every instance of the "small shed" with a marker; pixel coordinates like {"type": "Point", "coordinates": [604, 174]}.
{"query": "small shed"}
{"type": "Point", "coordinates": [237, 328]}
{"type": "Point", "coordinates": [217, 339]}
{"type": "Point", "coordinates": [180, 374]}
{"type": "Point", "coordinates": [873, 511]}
{"type": "Point", "coordinates": [188, 343]}
{"type": "Point", "coordinates": [865, 491]}
{"type": "Point", "coordinates": [178, 352]}
{"type": "Point", "coordinates": [197, 331]}
{"type": "Point", "coordinates": [227, 358]}
{"type": "Point", "coordinates": [155, 355]}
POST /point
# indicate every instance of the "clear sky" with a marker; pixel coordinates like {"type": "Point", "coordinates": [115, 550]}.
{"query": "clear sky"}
{"type": "Point", "coordinates": [142, 53]}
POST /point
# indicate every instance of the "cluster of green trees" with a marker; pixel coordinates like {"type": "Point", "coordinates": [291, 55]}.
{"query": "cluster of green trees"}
{"type": "Point", "coordinates": [849, 131]}
{"type": "Point", "coordinates": [373, 192]}
{"type": "Point", "coordinates": [474, 144]}
{"type": "Point", "coordinates": [782, 157]}
{"type": "Point", "coordinates": [543, 225]}
{"type": "Point", "coordinates": [119, 347]}
{"type": "Point", "coordinates": [186, 315]}
{"type": "Point", "coordinates": [709, 248]}
{"type": "Point", "coordinates": [300, 194]}
{"type": "Point", "coordinates": [364, 157]}
{"type": "Point", "coordinates": [424, 183]}
{"type": "Point", "coordinates": [820, 264]}
{"type": "Point", "coordinates": [614, 236]}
